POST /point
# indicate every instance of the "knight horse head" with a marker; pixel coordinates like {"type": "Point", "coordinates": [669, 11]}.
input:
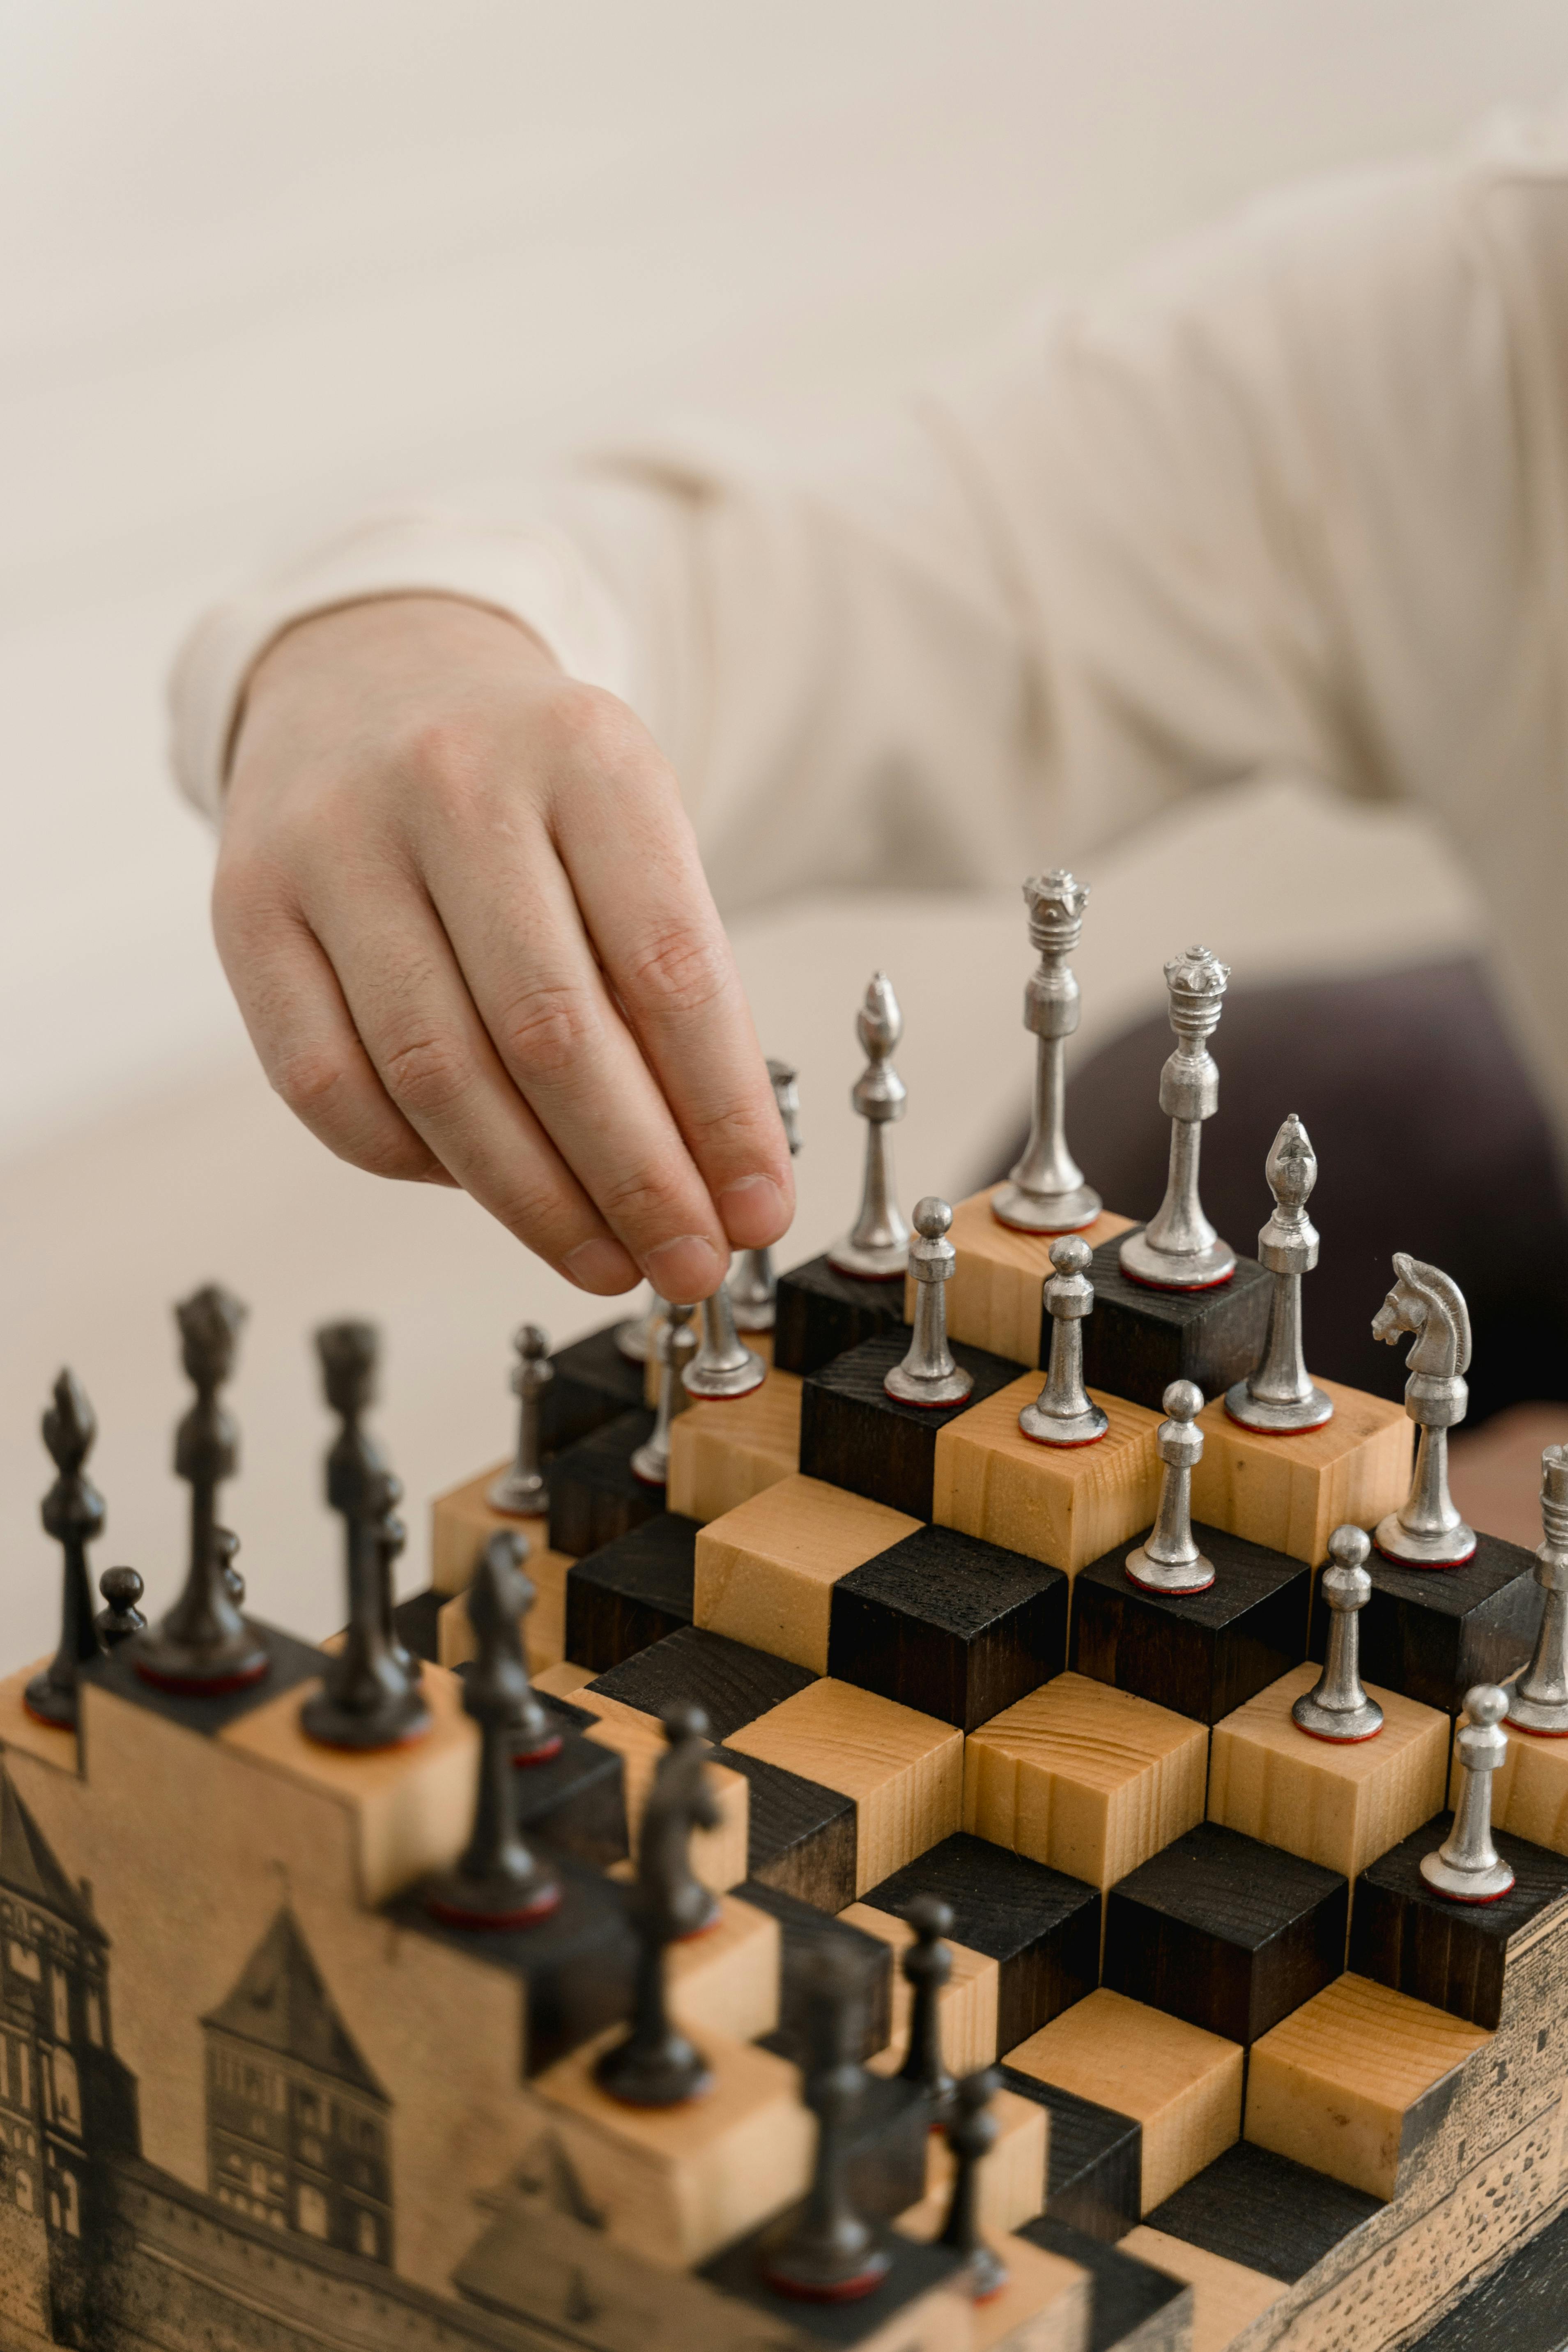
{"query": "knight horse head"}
{"type": "Point", "coordinates": [1426, 1302]}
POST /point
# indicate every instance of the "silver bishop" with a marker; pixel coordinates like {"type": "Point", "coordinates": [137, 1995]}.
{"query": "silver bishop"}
{"type": "Point", "coordinates": [877, 1243]}
{"type": "Point", "coordinates": [1281, 1395]}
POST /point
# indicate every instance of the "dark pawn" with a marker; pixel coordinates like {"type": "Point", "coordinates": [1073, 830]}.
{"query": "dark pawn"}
{"type": "Point", "coordinates": [825, 2252]}
{"type": "Point", "coordinates": [122, 1588]}
{"type": "Point", "coordinates": [534, 1738]}
{"type": "Point", "coordinates": [656, 2065]}
{"type": "Point", "coordinates": [227, 1544]}
{"type": "Point", "coordinates": [927, 1964]}
{"type": "Point", "coordinates": [971, 2131]}
{"type": "Point", "coordinates": [497, 1884]}
{"type": "Point", "coordinates": [204, 1646]}
{"type": "Point", "coordinates": [368, 1699]}
{"type": "Point", "coordinates": [73, 1513]}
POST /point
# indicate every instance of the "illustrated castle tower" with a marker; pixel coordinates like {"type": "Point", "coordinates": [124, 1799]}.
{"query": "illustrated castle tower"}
{"type": "Point", "coordinates": [297, 2123]}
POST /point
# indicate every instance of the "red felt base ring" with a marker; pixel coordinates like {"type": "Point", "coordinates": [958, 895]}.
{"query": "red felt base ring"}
{"type": "Point", "coordinates": [1423, 1567]}
{"type": "Point", "coordinates": [48, 1720]}
{"type": "Point", "coordinates": [1533, 1731]}
{"type": "Point", "coordinates": [1471, 1902]}
{"type": "Point", "coordinates": [1256, 1428]}
{"type": "Point", "coordinates": [1163, 1592]}
{"type": "Point", "coordinates": [922, 1404]}
{"type": "Point", "coordinates": [1064, 1444]}
{"type": "Point", "coordinates": [1045, 1232]}
{"type": "Point", "coordinates": [540, 1754]}
{"type": "Point", "coordinates": [1330, 1740]}
{"type": "Point", "coordinates": [220, 1685]}
{"type": "Point", "coordinates": [452, 1915]}
{"type": "Point", "coordinates": [1175, 1289]}
{"type": "Point", "coordinates": [849, 2291]}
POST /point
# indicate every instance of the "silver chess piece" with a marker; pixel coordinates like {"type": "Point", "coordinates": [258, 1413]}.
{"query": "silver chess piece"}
{"type": "Point", "coordinates": [723, 1366]}
{"type": "Point", "coordinates": [1337, 1706]}
{"type": "Point", "coordinates": [1427, 1531]}
{"type": "Point", "coordinates": [875, 1244]}
{"type": "Point", "coordinates": [1044, 1192]}
{"type": "Point", "coordinates": [752, 1282]}
{"type": "Point", "coordinates": [928, 1374]}
{"type": "Point", "coordinates": [524, 1490]}
{"type": "Point", "coordinates": [1538, 1700]}
{"type": "Point", "coordinates": [1280, 1394]}
{"type": "Point", "coordinates": [1178, 1249]}
{"type": "Point", "coordinates": [1062, 1414]}
{"type": "Point", "coordinates": [1170, 1561]}
{"type": "Point", "coordinates": [1467, 1867]}
{"type": "Point", "coordinates": [677, 1346]}
{"type": "Point", "coordinates": [637, 1337]}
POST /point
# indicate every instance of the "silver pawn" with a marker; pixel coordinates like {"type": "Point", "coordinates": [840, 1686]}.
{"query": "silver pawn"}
{"type": "Point", "coordinates": [1170, 1561]}
{"type": "Point", "coordinates": [524, 1490]}
{"type": "Point", "coordinates": [752, 1283]}
{"type": "Point", "coordinates": [1046, 1194]}
{"type": "Point", "coordinates": [1280, 1394]}
{"type": "Point", "coordinates": [677, 1346]}
{"type": "Point", "coordinates": [877, 1243]}
{"type": "Point", "coordinates": [1062, 1413]}
{"type": "Point", "coordinates": [1427, 1531]}
{"type": "Point", "coordinates": [637, 1337]}
{"type": "Point", "coordinates": [1538, 1700]}
{"type": "Point", "coordinates": [723, 1365]}
{"type": "Point", "coordinates": [1337, 1706]}
{"type": "Point", "coordinates": [1467, 1867]}
{"type": "Point", "coordinates": [1178, 1249]}
{"type": "Point", "coordinates": [928, 1374]}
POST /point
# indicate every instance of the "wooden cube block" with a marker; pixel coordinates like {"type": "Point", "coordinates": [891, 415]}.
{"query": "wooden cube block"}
{"type": "Point", "coordinates": [967, 2002]}
{"type": "Point", "coordinates": [1131, 2304]}
{"type": "Point", "coordinates": [1530, 1790]}
{"type": "Point", "coordinates": [1040, 1928]}
{"type": "Point", "coordinates": [576, 1799]}
{"type": "Point", "coordinates": [1432, 1633]}
{"type": "Point", "coordinates": [1047, 2303]}
{"type": "Point", "coordinates": [631, 1592]}
{"type": "Point", "coordinates": [594, 1496]}
{"type": "Point", "coordinates": [820, 1313]}
{"type": "Point", "coordinates": [545, 1627]}
{"type": "Point", "coordinates": [1137, 1341]}
{"type": "Point", "coordinates": [1291, 1492]}
{"type": "Point", "coordinates": [462, 1523]}
{"type": "Point", "coordinates": [904, 1770]}
{"type": "Point", "coordinates": [1181, 2083]}
{"type": "Point", "coordinates": [1063, 1504]}
{"type": "Point", "coordinates": [950, 1625]}
{"type": "Point", "coordinates": [1094, 2164]}
{"type": "Point", "coordinates": [1085, 1778]}
{"type": "Point", "coordinates": [1262, 2210]}
{"type": "Point", "coordinates": [1338, 1803]}
{"type": "Point", "coordinates": [765, 1571]}
{"type": "Point", "coordinates": [854, 1435]}
{"type": "Point", "coordinates": [995, 1294]}
{"type": "Point", "coordinates": [802, 1837]}
{"type": "Point", "coordinates": [1013, 2177]}
{"type": "Point", "coordinates": [724, 1453]}
{"type": "Point", "coordinates": [802, 1930]}
{"type": "Point", "coordinates": [726, 1980]}
{"type": "Point", "coordinates": [1200, 1653]}
{"type": "Point", "coordinates": [1457, 1956]}
{"type": "Point", "coordinates": [718, 1856]}
{"type": "Point", "coordinates": [594, 1384]}
{"type": "Point", "coordinates": [694, 1667]}
{"type": "Point", "coordinates": [922, 2304]}
{"type": "Point", "coordinates": [1226, 2296]}
{"type": "Point", "coordinates": [1224, 1932]}
{"type": "Point", "coordinates": [1355, 2082]}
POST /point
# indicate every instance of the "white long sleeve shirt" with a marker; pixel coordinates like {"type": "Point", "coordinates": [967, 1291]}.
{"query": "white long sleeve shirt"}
{"type": "Point", "coordinates": [1292, 501]}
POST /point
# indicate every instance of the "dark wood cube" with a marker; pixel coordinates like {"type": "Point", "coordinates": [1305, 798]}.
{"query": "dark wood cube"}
{"type": "Point", "coordinates": [1433, 1633]}
{"type": "Point", "coordinates": [1094, 2159]}
{"type": "Point", "coordinates": [729, 1682]}
{"type": "Point", "coordinates": [1227, 1933]}
{"type": "Point", "coordinates": [802, 1930]}
{"type": "Point", "coordinates": [802, 1839]}
{"type": "Point", "coordinates": [576, 1799]}
{"type": "Point", "coordinates": [1201, 1654]}
{"type": "Point", "coordinates": [593, 1498]}
{"type": "Point", "coordinates": [1453, 1954]}
{"type": "Point", "coordinates": [913, 2271]}
{"type": "Point", "coordinates": [631, 1592]}
{"type": "Point", "coordinates": [1265, 2211]}
{"type": "Point", "coordinates": [820, 1313]}
{"type": "Point", "coordinates": [417, 1624]}
{"type": "Point", "coordinates": [1137, 1341]}
{"type": "Point", "coordinates": [950, 1625]}
{"type": "Point", "coordinates": [854, 1435]}
{"type": "Point", "coordinates": [594, 1383]}
{"type": "Point", "coordinates": [1131, 2303]}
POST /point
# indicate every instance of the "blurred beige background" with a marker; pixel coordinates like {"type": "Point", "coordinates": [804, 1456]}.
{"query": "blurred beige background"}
{"type": "Point", "coordinates": [266, 264]}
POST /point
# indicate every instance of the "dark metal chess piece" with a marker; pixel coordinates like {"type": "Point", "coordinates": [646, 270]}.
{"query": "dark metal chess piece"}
{"type": "Point", "coordinates": [972, 2134]}
{"type": "Point", "coordinates": [723, 1366]}
{"type": "Point", "coordinates": [1046, 1194]}
{"type": "Point", "coordinates": [928, 1374]}
{"type": "Point", "coordinates": [391, 1543]}
{"type": "Point", "coordinates": [1467, 1867]}
{"type": "Point", "coordinates": [226, 1543]}
{"type": "Point", "coordinates": [926, 1966]}
{"type": "Point", "coordinates": [636, 1337]}
{"type": "Point", "coordinates": [876, 1245]}
{"type": "Point", "coordinates": [1538, 1700]}
{"type": "Point", "coordinates": [825, 2252]}
{"type": "Point", "coordinates": [1063, 1414]}
{"type": "Point", "coordinates": [524, 1488]}
{"type": "Point", "coordinates": [73, 1513]}
{"type": "Point", "coordinates": [1178, 1249]}
{"type": "Point", "coordinates": [368, 1699]}
{"type": "Point", "coordinates": [1168, 1561]}
{"type": "Point", "coordinates": [121, 1590]}
{"type": "Point", "coordinates": [656, 2065]}
{"type": "Point", "coordinates": [204, 1647]}
{"type": "Point", "coordinates": [1337, 1706]}
{"type": "Point", "coordinates": [1280, 1394]}
{"type": "Point", "coordinates": [677, 1346]}
{"type": "Point", "coordinates": [752, 1282]}
{"type": "Point", "coordinates": [1427, 1531]}
{"type": "Point", "coordinates": [497, 1884]}
{"type": "Point", "coordinates": [498, 1607]}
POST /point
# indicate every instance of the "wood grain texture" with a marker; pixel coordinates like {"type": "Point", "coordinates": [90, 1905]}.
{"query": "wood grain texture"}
{"type": "Point", "coordinates": [1340, 1805]}
{"type": "Point", "coordinates": [631, 1592]}
{"type": "Point", "coordinates": [993, 1297]}
{"type": "Point", "coordinates": [462, 1523]}
{"type": "Point", "coordinates": [1356, 2080]}
{"type": "Point", "coordinates": [1062, 1504]}
{"type": "Point", "coordinates": [904, 1770]}
{"type": "Point", "coordinates": [820, 1313]}
{"type": "Point", "coordinates": [727, 1980]}
{"type": "Point", "coordinates": [802, 1930]}
{"type": "Point", "coordinates": [1047, 2304]}
{"type": "Point", "coordinates": [764, 1573]}
{"type": "Point", "coordinates": [967, 2002]}
{"type": "Point", "coordinates": [1133, 2306]}
{"type": "Point", "coordinates": [1530, 1790]}
{"type": "Point", "coordinates": [1291, 1492]}
{"type": "Point", "coordinates": [563, 1680]}
{"type": "Point", "coordinates": [1085, 1778]}
{"type": "Point", "coordinates": [1201, 1654]}
{"type": "Point", "coordinates": [1435, 1633]}
{"type": "Point", "coordinates": [593, 1498]}
{"type": "Point", "coordinates": [1265, 2212]}
{"type": "Point", "coordinates": [718, 1856]}
{"type": "Point", "coordinates": [1094, 2163]}
{"type": "Point", "coordinates": [594, 1383]}
{"type": "Point", "coordinates": [545, 1627]}
{"type": "Point", "coordinates": [1137, 1341]}
{"type": "Point", "coordinates": [1226, 2296]}
{"type": "Point", "coordinates": [800, 1838]}
{"type": "Point", "coordinates": [694, 1667]}
{"type": "Point", "coordinates": [1013, 2177]}
{"type": "Point", "coordinates": [1181, 2083]}
{"type": "Point", "coordinates": [854, 1435]}
{"type": "Point", "coordinates": [949, 1624]}
{"type": "Point", "coordinates": [1454, 1955]}
{"type": "Point", "coordinates": [723, 1453]}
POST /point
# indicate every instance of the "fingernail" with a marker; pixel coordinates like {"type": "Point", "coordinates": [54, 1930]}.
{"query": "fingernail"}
{"type": "Point", "coordinates": [754, 1211]}
{"type": "Point", "coordinates": [687, 1268]}
{"type": "Point", "coordinates": [601, 1265]}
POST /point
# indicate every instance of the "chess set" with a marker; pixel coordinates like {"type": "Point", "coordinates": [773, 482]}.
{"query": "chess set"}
{"type": "Point", "coordinates": [952, 1797]}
